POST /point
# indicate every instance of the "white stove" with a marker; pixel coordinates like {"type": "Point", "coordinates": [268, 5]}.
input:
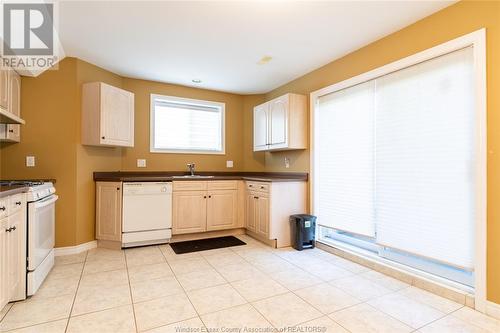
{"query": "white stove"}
{"type": "Point", "coordinates": [41, 200]}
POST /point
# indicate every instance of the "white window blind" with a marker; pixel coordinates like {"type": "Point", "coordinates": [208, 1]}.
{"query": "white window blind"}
{"type": "Point", "coordinates": [425, 146]}
{"type": "Point", "coordinates": [344, 159]}
{"type": "Point", "coordinates": [396, 159]}
{"type": "Point", "coordinates": [182, 125]}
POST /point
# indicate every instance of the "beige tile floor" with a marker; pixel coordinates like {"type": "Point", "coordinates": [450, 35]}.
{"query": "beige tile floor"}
{"type": "Point", "coordinates": [250, 288]}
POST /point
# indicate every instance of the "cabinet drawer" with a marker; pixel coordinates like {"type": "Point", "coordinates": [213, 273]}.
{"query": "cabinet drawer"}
{"type": "Point", "coordinates": [258, 194]}
{"type": "Point", "coordinates": [189, 185]}
{"type": "Point", "coordinates": [223, 185]}
{"type": "Point", "coordinates": [15, 203]}
{"type": "Point", "coordinates": [4, 207]}
{"type": "Point", "coordinates": [258, 186]}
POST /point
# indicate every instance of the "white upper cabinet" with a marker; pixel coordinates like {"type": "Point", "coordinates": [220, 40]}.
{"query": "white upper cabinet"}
{"type": "Point", "coordinates": [260, 118]}
{"type": "Point", "coordinates": [4, 88]}
{"type": "Point", "coordinates": [10, 105]}
{"type": "Point", "coordinates": [107, 116]}
{"type": "Point", "coordinates": [281, 124]}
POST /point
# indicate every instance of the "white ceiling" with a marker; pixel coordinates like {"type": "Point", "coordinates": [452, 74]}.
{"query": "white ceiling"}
{"type": "Point", "coordinates": [220, 43]}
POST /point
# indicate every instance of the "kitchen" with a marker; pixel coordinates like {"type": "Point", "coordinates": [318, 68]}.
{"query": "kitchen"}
{"type": "Point", "coordinates": [110, 168]}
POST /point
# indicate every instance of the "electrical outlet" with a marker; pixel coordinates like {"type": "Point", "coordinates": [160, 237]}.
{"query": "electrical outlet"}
{"type": "Point", "coordinates": [287, 162]}
{"type": "Point", "coordinates": [141, 163]}
{"type": "Point", "coordinates": [229, 164]}
{"type": "Point", "coordinates": [30, 161]}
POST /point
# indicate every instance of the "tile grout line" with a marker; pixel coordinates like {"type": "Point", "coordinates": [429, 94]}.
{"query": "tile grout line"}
{"type": "Point", "coordinates": [231, 284]}
{"type": "Point", "coordinates": [328, 282]}
{"type": "Point", "coordinates": [437, 319]}
{"type": "Point", "coordinates": [289, 291]}
{"type": "Point", "coordinates": [76, 291]}
{"type": "Point", "coordinates": [45, 322]}
{"type": "Point", "coordinates": [185, 293]}
{"type": "Point", "coordinates": [130, 290]}
{"type": "Point", "coordinates": [248, 302]}
{"type": "Point", "coordinates": [268, 275]}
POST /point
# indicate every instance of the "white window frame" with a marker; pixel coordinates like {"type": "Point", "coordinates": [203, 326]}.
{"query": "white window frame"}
{"type": "Point", "coordinates": [477, 40]}
{"type": "Point", "coordinates": [183, 100]}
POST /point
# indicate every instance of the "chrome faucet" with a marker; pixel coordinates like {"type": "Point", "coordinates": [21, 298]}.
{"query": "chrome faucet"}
{"type": "Point", "coordinates": [191, 168]}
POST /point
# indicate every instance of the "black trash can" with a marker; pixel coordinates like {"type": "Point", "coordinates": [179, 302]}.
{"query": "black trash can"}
{"type": "Point", "coordinates": [303, 227]}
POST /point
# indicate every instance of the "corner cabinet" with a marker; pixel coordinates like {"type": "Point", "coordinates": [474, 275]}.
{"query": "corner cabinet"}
{"type": "Point", "coordinates": [107, 116]}
{"type": "Point", "coordinates": [268, 208]}
{"type": "Point", "coordinates": [10, 101]}
{"type": "Point", "coordinates": [281, 124]}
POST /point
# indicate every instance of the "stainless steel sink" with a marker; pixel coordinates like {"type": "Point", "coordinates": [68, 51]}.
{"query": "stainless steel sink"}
{"type": "Point", "coordinates": [192, 176]}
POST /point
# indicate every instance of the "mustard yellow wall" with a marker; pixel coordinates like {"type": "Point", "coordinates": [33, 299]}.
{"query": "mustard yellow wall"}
{"type": "Point", "coordinates": [90, 159]}
{"type": "Point", "coordinates": [51, 106]}
{"type": "Point", "coordinates": [253, 161]}
{"type": "Point", "coordinates": [48, 105]}
{"type": "Point", "coordinates": [158, 161]}
{"type": "Point", "coordinates": [454, 21]}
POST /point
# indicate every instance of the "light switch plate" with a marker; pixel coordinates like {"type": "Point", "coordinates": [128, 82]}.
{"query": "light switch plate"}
{"type": "Point", "coordinates": [229, 164]}
{"type": "Point", "coordinates": [141, 163]}
{"type": "Point", "coordinates": [30, 161]}
{"type": "Point", "coordinates": [287, 162]}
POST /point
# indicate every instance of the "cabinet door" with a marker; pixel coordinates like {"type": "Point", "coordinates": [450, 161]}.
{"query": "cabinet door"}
{"type": "Point", "coordinates": [4, 294]}
{"type": "Point", "coordinates": [278, 109]}
{"type": "Point", "coordinates": [222, 209]}
{"type": "Point", "coordinates": [13, 133]}
{"type": "Point", "coordinates": [4, 87]}
{"type": "Point", "coordinates": [260, 128]}
{"type": "Point", "coordinates": [189, 212]}
{"type": "Point", "coordinates": [14, 93]}
{"type": "Point", "coordinates": [262, 213]}
{"type": "Point", "coordinates": [117, 116]}
{"type": "Point", "coordinates": [250, 220]}
{"type": "Point", "coordinates": [14, 253]}
{"type": "Point", "coordinates": [109, 211]}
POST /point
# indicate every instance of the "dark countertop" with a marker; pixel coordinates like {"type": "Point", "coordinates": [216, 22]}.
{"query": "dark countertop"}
{"type": "Point", "coordinates": [7, 190]}
{"type": "Point", "coordinates": [157, 176]}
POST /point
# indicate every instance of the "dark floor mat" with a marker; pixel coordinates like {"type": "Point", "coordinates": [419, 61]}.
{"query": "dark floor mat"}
{"type": "Point", "coordinates": [205, 244]}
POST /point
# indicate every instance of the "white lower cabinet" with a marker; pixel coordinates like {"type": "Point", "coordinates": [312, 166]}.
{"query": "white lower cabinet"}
{"type": "Point", "coordinates": [268, 209]}
{"type": "Point", "coordinates": [200, 206]}
{"type": "Point", "coordinates": [13, 249]}
{"type": "Point", "coordinates": [4, 277]}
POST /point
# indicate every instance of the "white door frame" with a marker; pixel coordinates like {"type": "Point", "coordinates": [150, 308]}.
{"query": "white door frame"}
{"type": "Point", "coordinates": [477, 40]}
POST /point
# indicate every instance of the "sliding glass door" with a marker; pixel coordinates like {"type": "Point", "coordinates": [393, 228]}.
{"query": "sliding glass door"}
{"type": "Point", "coordinates": [395, 164]}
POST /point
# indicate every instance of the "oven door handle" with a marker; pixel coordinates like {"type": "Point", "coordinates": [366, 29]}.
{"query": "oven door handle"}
{"type": "Point", "coordinates": [46, 202]}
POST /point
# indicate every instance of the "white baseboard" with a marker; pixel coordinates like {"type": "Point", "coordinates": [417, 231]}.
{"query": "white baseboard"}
{"type": "Point", "coordinates": [65, 251]}
{"type": "Point", "coordinates": [493, 309]}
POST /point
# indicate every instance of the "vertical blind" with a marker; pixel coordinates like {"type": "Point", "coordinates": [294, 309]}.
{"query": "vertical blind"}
{"type": "Point", "coordinates": [423, 150]}
{"type": "Point", "coordinates": [345, 164]}
{"type": "Point", "coordinates": [184, 127]}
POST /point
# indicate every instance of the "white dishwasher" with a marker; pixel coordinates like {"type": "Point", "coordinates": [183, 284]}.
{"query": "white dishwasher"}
{"type": "Point", "coordinates": [147, 213]}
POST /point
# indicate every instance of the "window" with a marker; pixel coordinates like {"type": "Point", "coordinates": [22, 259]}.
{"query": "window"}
{"type": "Point", "coordinates": [181, 125]}
{"type": "Point", "coordinates": [397, 162]}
